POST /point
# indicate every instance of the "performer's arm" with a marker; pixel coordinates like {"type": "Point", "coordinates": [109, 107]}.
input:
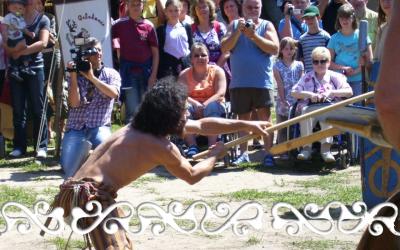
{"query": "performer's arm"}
{"type": "Point", "coordinates": [216, 126]}
{"type": "Point", "coordinates": [180, 167]}
{"type": "Point", "coordinates": [386, 98]}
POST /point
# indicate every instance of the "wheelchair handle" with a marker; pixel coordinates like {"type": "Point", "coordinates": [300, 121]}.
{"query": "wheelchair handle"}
{"type": "Point", "coordinates": [292, 121]}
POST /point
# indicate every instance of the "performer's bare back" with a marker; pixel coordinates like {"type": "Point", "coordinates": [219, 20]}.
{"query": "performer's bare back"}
{"type": "Point", "coordinates": [127, 155]}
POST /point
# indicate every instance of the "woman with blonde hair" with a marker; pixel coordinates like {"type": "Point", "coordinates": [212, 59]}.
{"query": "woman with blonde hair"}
{"type": "Point", "coordinates": [317, 86]}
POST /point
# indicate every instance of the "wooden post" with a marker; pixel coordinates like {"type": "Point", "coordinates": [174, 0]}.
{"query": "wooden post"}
{"type": "Point", "coordinates": [59, 100]}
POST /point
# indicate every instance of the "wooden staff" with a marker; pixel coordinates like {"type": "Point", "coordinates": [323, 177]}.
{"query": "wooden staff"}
{"type": "Point", "coordinates": [292, 121]}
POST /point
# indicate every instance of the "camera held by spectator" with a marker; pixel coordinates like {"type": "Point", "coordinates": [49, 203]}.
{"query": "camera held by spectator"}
{"type": "Point", "coordinates": [293, 11]}
{"type": "Point", "coordinates": [81, 51]}
{"type": "Point", "coordinates": [249, 24]}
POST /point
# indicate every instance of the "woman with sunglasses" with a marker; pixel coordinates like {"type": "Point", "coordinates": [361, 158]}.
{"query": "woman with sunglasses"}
{"type": "Point", "coordinates": [318, 86]}
{"type": "Point", "coordinates": [207, 86]}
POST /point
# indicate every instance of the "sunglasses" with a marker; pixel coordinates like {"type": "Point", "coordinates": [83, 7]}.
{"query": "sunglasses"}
{"type": "Point", "coordinates": [322, 62]}
{"type": "Point", "coordinates": [200, 55]}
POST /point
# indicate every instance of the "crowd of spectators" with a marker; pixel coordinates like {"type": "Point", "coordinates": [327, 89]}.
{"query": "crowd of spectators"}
{"type": "Point", "coordinates": [220, 49]}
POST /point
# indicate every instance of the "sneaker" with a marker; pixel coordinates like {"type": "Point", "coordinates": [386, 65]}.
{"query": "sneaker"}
{"type": "Point", "coordinates": [304, 155]}
{"type": "Point", "coordinates": [15, 74]}
{"type": "Point", "coordinates": [16, 153]}
{"type": "Point", "coordinates": [268, 161]}
{"type": "Point", "coordinates": [41, 153]}
{"type": "Point", "coordinates": [27, 70]}
{"type": "Point", "coordinates": [192, 150]}
{"type": "Point", "coordinates": [243, 158]}
{"type": "Point", "coordinates": [328, 157]}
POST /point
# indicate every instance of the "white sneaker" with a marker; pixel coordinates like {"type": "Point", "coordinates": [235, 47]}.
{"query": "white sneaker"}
{"type": "Point", "coordinates": [304, 155]}
{"type": "Point", "coordinates": [41, 153]}
{"type": "Point", "coordinates": [16, 153]}
{"type": "Point", "coordinates": [328, 157]}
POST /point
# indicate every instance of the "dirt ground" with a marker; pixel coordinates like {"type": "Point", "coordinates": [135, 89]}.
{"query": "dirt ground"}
{"type": "Point", "coordinates": [161, 188]}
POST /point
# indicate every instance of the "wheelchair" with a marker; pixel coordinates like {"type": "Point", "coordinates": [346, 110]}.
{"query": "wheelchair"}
{"type": "Point", "coordinates": [341, 147]}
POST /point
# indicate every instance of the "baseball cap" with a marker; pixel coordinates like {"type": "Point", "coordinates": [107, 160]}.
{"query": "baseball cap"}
{"type": "Point", "coordinates": [311, 11]}
{"type": "Point", "coordinates": [24, 2]}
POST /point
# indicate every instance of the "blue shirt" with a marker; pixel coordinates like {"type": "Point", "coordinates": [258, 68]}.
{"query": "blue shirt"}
{"type": "Point", "coordinates": [296, 32]}
{"type": "Point", "coordinates": [41, 22]}
{"type": "Point", "coordinates": [308, 42]}
{"type": "Point", "coordinates": [251, 67]}
{"type": "Point", "coordinates": [347, 52]}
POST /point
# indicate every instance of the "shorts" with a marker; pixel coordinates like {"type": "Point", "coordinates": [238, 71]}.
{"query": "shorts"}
{"type": "Point", "coordinates": [244, 100]}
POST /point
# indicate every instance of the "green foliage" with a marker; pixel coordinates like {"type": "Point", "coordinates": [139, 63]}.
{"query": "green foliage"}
{"type": "Point", "coordinates": [253, 240]}
{"type": "Point", "coordinates": [323, 244]}
{"type": "Point", "coordinates": [73, 244]}
{"type": "Point", "coordinates": [21, 195]}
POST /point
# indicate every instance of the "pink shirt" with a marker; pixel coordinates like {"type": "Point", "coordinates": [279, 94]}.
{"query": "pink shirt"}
{"type": "Point", "coordinates": [309, 82]}
{"type": "Point", "coordinates": [135, 39]}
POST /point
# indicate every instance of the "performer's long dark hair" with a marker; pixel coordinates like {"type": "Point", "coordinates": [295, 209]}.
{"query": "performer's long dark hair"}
{"type": "Point", "coordinates": [162, 109]}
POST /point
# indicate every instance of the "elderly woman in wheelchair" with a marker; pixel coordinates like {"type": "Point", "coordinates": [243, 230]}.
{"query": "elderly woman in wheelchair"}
{"type": "Point", "coordinates": [207, 86]}
{"type": "Point", "coordinates": [319, 86]}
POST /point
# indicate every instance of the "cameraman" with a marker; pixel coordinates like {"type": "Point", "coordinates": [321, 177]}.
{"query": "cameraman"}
{"type": "Point", "coordinates": [91, 96]}
{"type": "Point", "coordinates": [293, 24]}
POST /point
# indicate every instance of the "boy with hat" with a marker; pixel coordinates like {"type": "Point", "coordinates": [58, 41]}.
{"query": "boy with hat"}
{"type": "Point", "coordinates": [314, 37]}
{"type": "Point", "coordinates": [14, 30]}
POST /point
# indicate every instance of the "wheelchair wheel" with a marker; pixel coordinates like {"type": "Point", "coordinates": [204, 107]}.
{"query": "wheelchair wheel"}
{"type": "Point", "coordinates": [344, 157]}
{"type": "Point", "coordinates": [344, 161]}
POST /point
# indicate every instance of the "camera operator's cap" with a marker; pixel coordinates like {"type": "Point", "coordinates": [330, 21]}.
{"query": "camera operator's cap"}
{"type": "Point", "coordinates": [24, 2]}
{"type": "Point", "coordinates": [311, 11]}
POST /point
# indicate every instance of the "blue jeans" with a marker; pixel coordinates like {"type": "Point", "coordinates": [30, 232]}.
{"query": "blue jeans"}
{"type": "Point", "coordinates": [76, 145]}
{"type": "Point", "coordinates": [213, 109]}
{"type": "Point", "coordinates": [357, 90]}
{"type": "Point", "coordinates": [31, 88]}
{"type": "Point", "coordinates": [133, 96]}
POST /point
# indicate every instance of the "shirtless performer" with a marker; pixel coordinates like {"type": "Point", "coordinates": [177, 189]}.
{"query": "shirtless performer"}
{"type": "Point", "coordinates": [387, 106]}
{"type": "Point", "coordinates": [137, 148]}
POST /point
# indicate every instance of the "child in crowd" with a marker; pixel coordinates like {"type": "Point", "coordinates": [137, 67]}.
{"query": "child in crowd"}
{"type": "Point", "coordinates": [139, 56]}
{"type": "Point", "coordinates": [174, 41]}
{"type": "Point", "coordinates": [15, 29]}
{"type": "Point", "coordinates": [314, 37]}
{"type": "Point", "coordinates": [184, 14]}
{"type": "Point", "coordinates": [317, 86]}
{"type": "Point", "coordinates": [344, 48]}
{"type": "Point", "coordinates": [287, 73]}
{"type": "Point", "coordinates": [346, 56]}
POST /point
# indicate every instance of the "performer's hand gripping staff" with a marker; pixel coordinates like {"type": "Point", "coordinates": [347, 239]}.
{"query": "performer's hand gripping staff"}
{"type": "Point", "coordinates": [292, 121]}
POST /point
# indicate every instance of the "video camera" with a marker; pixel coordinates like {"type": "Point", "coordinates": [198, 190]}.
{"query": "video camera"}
{"type": "Point", "coordinates": [79, 53]}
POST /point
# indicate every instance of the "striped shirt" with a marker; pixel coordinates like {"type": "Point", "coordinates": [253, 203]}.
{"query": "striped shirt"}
{"type": "Point", "coordinates": [95, 108]}
{"type": "Point", "coordinates": [308, 42]}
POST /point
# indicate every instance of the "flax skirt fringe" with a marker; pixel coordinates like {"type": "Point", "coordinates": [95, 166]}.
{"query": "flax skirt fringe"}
{"type": "Point", "coordinates": [75, 193]}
